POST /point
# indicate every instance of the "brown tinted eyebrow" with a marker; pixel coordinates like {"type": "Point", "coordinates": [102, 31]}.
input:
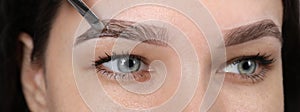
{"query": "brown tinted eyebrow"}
{"type": "Point", "coordinates": [129, 30]}
{"type": "Point", "coordinates": [252, 31]}
{"type": "Point", "coordinates": [154, 35]}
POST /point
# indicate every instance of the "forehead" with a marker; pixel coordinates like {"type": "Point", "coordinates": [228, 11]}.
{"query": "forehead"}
{"type": "Point", "coordinates": [232, 13]}
{"type": "Point", "coordinates": [227, 13]}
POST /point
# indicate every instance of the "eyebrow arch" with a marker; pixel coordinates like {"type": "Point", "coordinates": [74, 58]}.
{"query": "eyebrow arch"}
{"type": "Point", "coordinates": [145, 33]}
{"type": "Point", "coordinates": [252, 31]}
{"type": "Point", "coordinates": [158, 36]}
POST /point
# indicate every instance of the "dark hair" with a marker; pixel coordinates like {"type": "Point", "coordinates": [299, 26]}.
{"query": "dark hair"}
{"type": "Point", "coordinates": [291, 55]}
{"type": "Point", "coordinates": [35, 18]}
{"type": "Point", "coordinates": [30, 16]}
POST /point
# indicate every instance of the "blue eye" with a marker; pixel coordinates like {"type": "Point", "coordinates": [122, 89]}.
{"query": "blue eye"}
{"type": "Point", "coordinates": [249, 67]}
{"type": "Point", "coordinates": [128, 65]}
{"type": "Point", "coordinates": [245, 67]}
{"type": "Point", "coordinates": [122, 66]}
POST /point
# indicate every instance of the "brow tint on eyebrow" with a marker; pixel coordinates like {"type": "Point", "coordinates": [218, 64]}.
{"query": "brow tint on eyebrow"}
{"type": "Point", "coordinates": [252, 31]}
{"type": "Point", "coordinates": [128, 30]}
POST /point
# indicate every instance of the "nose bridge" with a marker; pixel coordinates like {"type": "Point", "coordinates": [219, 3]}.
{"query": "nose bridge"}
{"type": "Point", "coordinates": [210, 84]}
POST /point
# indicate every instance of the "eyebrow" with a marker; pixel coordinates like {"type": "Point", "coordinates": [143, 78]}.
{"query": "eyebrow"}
{"type": "Point", "coordinates": [252, 31]}
{"type": "Point", "coordinates": [158, 36]}
{"type": "Point", "coordinates": [128, 30]}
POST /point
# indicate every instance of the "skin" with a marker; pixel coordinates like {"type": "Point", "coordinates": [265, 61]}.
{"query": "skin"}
{"type": "Point", "coordinates": [53, 87]}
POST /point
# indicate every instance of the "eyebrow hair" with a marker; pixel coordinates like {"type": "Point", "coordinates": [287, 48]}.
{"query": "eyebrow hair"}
{"type": "Point", "coordinates": [129, 30]}
{"type": "Point", "coordinates": [158, 36]}
{"type": "Point", "coordinates": [252, 31]}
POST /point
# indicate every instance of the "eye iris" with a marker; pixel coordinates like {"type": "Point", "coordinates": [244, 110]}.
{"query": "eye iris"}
{"type": "Point", "coordinates": [247, 67]}
{"type": "Point", "coordinates": [128, 65]}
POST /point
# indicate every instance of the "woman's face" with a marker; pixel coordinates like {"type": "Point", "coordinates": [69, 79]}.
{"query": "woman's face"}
{"type": "Point", "coordinates": [253, 71]}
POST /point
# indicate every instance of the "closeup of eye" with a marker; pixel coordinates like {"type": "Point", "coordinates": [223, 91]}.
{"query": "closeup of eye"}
{"type": "Point", "coordinates": [123, 67]}
{"type": "Point", "coordinates": [124, 64]}
{"type": "Point", "coordinates": [251, 68]}
{"type": "Point", "coordinates": [244, 67]}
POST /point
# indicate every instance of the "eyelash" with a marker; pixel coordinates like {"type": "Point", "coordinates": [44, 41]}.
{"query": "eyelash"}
{"type": "Point", "coordinates": [264, 62]}
{"type": "Point", "coordinates": [114, 75]}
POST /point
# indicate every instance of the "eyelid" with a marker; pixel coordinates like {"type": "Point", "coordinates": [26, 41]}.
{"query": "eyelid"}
{"type": "Point", "coordinates": [114, 56]}
{"type": "Point", "coordinates": [255, 57]}
{"type": "Point", "coordinates": [126, 54]}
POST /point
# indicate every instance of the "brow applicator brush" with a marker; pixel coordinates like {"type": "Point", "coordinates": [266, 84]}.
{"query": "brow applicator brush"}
{"type": "Point", "coordinates": [89, 16]}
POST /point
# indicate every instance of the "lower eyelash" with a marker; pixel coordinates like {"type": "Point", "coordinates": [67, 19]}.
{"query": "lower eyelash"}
{"type": "Point", "coordinates": [138, 76]}
{"type": "Point", "coordinates": [115, 76]}
{"type": "Point", "coordinates": [255, 78]}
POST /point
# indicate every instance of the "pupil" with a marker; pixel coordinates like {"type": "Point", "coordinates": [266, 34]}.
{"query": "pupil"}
{"type": "Point", "coordinates": [129, 63]}
{"type": "Point", "coordinates": [246, 65]}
